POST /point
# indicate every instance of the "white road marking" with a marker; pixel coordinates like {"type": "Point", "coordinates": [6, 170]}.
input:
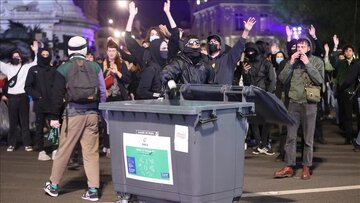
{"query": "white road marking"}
{"type": "Point", "coordinates": [290, 192]}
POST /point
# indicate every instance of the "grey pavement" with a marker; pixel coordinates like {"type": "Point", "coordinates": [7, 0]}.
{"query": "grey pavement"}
{"type": "Point", "coordinates": [336, 177]}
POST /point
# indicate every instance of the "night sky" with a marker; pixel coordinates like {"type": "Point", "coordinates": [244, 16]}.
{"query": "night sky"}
{"type": "Point", "coordinates": [150, 12]}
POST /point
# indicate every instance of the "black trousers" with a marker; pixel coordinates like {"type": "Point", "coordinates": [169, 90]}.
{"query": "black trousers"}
{"type": "Point", "coordinates": [345, 114]}
{"type": "Point", "coordinates": [19, 114]}
{"type": "Point", "coordinates": [40, 124]}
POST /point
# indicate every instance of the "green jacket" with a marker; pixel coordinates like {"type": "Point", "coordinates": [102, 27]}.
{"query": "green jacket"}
{"type": "Point", "coordinates": [297, 79]}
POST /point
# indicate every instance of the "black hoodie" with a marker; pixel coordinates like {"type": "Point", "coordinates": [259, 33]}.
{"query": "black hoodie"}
{"type": "Point", "coordinates": [261, 73]}
{"type": "Point", "coordinates": [39, 83]}
{"type": "Point", "coordinates": [225, 63]}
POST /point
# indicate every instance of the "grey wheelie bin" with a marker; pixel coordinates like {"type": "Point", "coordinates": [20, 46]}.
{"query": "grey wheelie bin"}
{"type": "Point", "coordinates": [190, 151]}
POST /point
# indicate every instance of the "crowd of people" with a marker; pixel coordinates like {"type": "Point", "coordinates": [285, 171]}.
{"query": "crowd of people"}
{"type": "Point", "coordinates": [311, 79]}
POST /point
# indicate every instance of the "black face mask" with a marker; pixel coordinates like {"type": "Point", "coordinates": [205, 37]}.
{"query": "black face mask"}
{"type": "Point", "coordinates": [164, 54]}
{"type": "Point", "coordinates": [15, 61]}
{"type": "Point", "coordinates": [251, 56]}
{"type": "Point", "coordinates": [44, 61]}
{"type": "Point", "coordinates": [193, 53]}
{"type": "Point", "coordinates": [213, 48]}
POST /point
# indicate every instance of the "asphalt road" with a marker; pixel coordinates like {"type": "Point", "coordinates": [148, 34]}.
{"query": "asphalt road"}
{"type": "Point", "coordinates": [336, 177]}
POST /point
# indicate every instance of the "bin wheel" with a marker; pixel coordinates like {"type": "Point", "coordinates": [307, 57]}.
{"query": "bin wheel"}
{"type": "Point", "coordinates": [236, 199]}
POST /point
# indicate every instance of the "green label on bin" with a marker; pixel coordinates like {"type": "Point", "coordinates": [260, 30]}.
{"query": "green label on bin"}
{"type": "Point", "coordinates": [148, 158]}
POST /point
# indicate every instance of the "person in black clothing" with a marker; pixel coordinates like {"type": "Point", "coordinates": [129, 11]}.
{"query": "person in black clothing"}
{"type": "Point", "coordinates": [259, 72]}
{"type": "Point", "coordinates": [189, 66]}
{"type": "Point", "coordinates": [353, 79]}
{"type": "Point", "coordinates": [38, 85]}
{"type": "Point", "coordinates": [154, 33]}
{"type": "Point", "coordinates": [149, 84]}
{"type": "Point", "coordinates": [224, 63]}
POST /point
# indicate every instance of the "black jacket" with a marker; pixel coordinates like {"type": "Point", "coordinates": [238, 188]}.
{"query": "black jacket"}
{"type": "Point", "coordinates": [149, 82]}
{"type": "Point", "coordinates": [39, 84]}
{"type": "Point", "coordinates": [183, 71]}
{"type": "Point", "coordinates": [261, 73]}
{"type": "Point", "coordinates": [225, 63]}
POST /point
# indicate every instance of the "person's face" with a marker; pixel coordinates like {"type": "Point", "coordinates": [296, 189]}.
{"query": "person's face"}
{"type": "Point", "coordinates": [348, 53]}
{"type": "Point", "coordinates": [90, 57]}
{"type": "Point", "coordinates": [111, 53]}
{"type": "Point", "coordinates": [16, 55]}
{"type": "Point", "coordinates": [215, 42]}
{"type": "Point", "coordinates": [193, 43]}
{"type": "Point", "coordinates": [279, 55]}
{"type": "Point", "coordinates": [203, 50]}
{"type": "Point", "coordinates": [302, 48]}
{"type": "Point", "coordinates": [154, 33]}
{"type": "Point", "coordinates": [45, 54]}
{"type": "Point", "coordinates": [163, 46]}
{"type": "Point", "coordinates": [341, 57]}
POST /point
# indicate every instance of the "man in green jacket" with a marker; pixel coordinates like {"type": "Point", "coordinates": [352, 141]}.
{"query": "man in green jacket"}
{"type": "Point", "coordinates": [300, 70]}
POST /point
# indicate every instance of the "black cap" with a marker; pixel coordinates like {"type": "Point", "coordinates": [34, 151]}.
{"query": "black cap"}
{"type": "Point", "coordinates": [217, 38]}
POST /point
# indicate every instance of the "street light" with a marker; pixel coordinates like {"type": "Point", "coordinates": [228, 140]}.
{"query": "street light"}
{"type": "Point", "coordinates": [111, 21]}
{"type": "Point", "coordinates": [122, 3]}
{"type": "Point", "coordinates": [117, 34]}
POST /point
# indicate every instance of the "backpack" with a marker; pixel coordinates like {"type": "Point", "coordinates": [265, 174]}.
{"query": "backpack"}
{"type": "Point", "coordinates": [82, 83]}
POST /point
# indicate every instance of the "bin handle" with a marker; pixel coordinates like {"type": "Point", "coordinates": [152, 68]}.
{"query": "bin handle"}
{"type": "Point", "coordinates": [245, 115]}
{"type": "Point", "coordinates": [213, 117]}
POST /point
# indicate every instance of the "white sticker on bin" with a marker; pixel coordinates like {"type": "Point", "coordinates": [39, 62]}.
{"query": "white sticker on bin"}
{"type": "Point", "coordinates": [181, 141]}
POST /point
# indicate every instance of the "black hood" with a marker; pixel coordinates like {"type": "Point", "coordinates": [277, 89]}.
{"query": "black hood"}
{"type": "Point", "coordinates": [252, 45]}
{"type": "Point", "coordinates": [41, 61]}
{"type": "Point", "coordinates": [219, 39]}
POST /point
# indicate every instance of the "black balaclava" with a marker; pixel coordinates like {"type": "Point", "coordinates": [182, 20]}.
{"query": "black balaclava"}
{"type": "Point", "coordinates": [41, 61]}
{"type": "Point", "coordinates": [194, 54]}
{"type": "Point", "coordinates": [155, 54]}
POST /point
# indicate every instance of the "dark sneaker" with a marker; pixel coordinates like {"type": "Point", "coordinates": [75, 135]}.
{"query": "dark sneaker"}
{"type": "Point", "coordinates": [265, 150]}
{"type": "Point", "coordinates": [91, 195]}
{"type": "Point", "coordinates": [51, 190]}
{"type": "Point", "coordinates": [356, 146]}
{"type": "Point", "coordinates": [73, 164]}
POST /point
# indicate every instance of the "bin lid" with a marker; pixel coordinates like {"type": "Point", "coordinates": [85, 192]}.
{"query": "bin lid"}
{"type": "Point", "coordinates": [184, 107]}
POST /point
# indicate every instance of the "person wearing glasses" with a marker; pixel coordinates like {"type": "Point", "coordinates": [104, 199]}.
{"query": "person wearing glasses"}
{"type": "Point", "coordinates": [189, 66]}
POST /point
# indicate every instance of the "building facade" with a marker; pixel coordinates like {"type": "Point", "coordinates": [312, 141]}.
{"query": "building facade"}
{"type": "Point", "coordinates": [58, 19]}
{"type": "Point", "coordinates": [226, 18]}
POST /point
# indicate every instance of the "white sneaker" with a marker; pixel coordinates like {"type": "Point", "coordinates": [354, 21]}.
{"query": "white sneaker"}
{"type": "Point", "coordinates": [53, 154]}
{"type": "Point", "coordinates": [108, 153]}
{"type": "Point", "coordinates": [10, 149]}
{"type": "Point", "coordinates": [28, 148]}
{"type": "Point", "coordinates": [43, 156]}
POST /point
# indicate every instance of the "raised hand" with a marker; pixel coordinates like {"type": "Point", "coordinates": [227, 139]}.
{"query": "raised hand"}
{"type": "Point", "coordinates": [35, 46]}
{"type": "Point", "coordinates": [167, 6]}
{"type": "Point", "coordinates": [164, 30]}
{"type": "Point", "coordinates": [312, 32]}
{"type": "Point", "coordinates": [326, 48]}
{"type": "Point", "coordinates": [133, 10]}
{"type": "Point", "coordinates": [249, 23]}
{"type": "Point", "coordinates": [289, 31]}
{"type": "Point", "coordinates": [336, 41]}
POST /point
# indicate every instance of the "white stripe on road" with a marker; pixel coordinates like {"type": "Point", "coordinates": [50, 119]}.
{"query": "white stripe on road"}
{"type": "Point", "coordinates": [290, 192]}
